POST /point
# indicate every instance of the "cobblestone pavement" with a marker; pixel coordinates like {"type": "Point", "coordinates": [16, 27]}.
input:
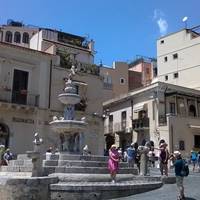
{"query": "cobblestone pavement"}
{"type": "Point", "coordinates": [168, 192]}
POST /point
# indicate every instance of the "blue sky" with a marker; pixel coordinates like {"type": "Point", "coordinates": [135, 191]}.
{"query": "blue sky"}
{"type": "Point", "coordinates": [121, 29]}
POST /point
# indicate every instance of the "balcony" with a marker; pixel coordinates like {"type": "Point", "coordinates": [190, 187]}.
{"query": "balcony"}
{"type": "Point", "coordinates": [22, 97]}
{"type": "Point", "coordinates": [107, 86]}
{"type": "Point", "coordinates": [140, 124]}
{"type": "Point", "coordinates": [162, 120]}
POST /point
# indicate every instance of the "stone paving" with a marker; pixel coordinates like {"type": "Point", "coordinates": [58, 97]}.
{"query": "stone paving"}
{"type": "Point", "coordinates": [168, 191]}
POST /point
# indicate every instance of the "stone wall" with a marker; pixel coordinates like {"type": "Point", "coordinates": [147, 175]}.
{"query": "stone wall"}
{"type": "Point", "coordinates": [26, 188]}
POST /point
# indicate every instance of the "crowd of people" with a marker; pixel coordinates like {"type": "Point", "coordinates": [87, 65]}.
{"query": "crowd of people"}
{"type": "Point", "coordinates": [164, 159]}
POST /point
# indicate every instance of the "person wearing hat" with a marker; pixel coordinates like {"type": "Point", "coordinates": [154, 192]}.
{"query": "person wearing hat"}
{"type": "Point", "coordinates": [7, 156]}
{"type": "Point", "coordinates": [113, 162]}
{"type": "Point", "coordinates": [163, 158]}
{"type": "Point", "coordinates": [131, 155]}
{"type": "Point", "coordinates": [178, 166]}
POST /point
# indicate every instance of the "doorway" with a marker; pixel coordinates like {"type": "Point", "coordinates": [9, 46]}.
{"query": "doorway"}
{"type": "Point", "coordinates": [20, 86]}
{"type": "Point", "coordinates": [4, 135]}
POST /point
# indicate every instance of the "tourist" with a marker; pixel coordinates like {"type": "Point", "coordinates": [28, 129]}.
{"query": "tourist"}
{"type": "Point", "coordinates": [163, 158]}
{"type": "Point", "coordinates": [86, 151]}
{"type": "Point", "coordinates": [179, 164]}
{"type": "Point", "coordinates": [49, 153]}
{"type": "Point", "coordinates": [131, 155]}
{"type": "Point", "coordinates": [193, 159]}
{"type": "Point", "coordinates": [119, 149]}
{"type": "Point", "coordinates": [113, 162]}
{"type": "Point", "coordinates": [49, 150]}
{"type": "Point", "coordinates": [7, 156]}
{"type": "Point", "coordinates": [198, 160]}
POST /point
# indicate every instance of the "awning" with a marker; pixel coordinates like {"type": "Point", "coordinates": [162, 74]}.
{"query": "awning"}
{"type": "Point", "coordinates": [194, 126]}
{"type": "Point", "coordinates": [138, 107]}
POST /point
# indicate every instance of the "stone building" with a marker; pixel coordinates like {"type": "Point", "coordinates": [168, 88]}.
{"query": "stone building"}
{"type": "Point", "coordinates": [158, 111]}
{"type": "Point", "coordinates": [30, 81]}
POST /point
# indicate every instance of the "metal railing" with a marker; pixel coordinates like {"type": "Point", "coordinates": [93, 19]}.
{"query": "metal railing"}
{"type": "Point", "coordinates": [107, 86]}
{"type": "Point", "coordinates": [140, 123]}
{"type": "Point", "coordinates": [22, 97]}
{"type": "Point", "coordinates": [162, 119]}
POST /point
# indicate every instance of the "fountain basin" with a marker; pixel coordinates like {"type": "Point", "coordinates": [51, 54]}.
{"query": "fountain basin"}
{"type": "Point", "coordinates": [67, 126]}
{"type": "Point", "coordinates": [69, 98]}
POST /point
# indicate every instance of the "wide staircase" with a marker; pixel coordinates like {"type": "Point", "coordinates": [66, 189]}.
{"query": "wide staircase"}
{"type": "Point", "coordinates": [86, 177]}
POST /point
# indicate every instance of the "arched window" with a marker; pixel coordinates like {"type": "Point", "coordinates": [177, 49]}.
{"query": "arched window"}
{"type": "Point", "coordinates": [8, 37]}
{"type": "Point", "coordinates": [17, 37]}
{"type": "Point", "coordinates": [25, 38]}
{"type": "Point", "coordinates": [192, 111]}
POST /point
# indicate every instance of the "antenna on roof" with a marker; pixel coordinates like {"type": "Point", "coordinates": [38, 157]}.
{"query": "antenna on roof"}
{"type": "Point", "coordinates": [185, 21]}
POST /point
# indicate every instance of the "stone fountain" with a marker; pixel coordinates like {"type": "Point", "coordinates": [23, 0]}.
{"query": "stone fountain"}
{"type": "Point", "coordinates": [68, 128]}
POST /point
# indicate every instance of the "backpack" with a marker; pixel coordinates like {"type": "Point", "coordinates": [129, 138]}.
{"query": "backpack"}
{"type": "Point", "coordinates": [185, 169]}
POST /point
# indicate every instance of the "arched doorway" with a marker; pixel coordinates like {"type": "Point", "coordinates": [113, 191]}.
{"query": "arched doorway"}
{"type": "Point", "coordinates": [4, 135]}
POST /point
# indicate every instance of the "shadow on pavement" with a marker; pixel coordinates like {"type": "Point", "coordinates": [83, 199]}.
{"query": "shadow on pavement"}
{"type": "Point", "coordinates": [188, 198]}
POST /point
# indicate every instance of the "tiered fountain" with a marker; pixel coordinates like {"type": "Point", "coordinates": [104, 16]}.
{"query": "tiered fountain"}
{"type": "Point", "coordinates": [68, 128]}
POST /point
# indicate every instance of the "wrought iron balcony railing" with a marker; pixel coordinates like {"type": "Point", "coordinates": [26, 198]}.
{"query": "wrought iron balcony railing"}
{"type": "Point", "coordinates": [22, 97]}
{"type": "Point", "coordinates": [140, 123]}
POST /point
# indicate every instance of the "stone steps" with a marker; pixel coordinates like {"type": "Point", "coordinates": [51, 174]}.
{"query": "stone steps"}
{"type": "Point", "coordinates": [100, 190]}
{"type": "Point", "coordinates": [87, 170]}
{"type": "Point", "coordinates": [62, 169]}
{"type": "Point", "coordinates": [80, 163]}
{"type": "Point", "coordinates": [102, 177]}
{"type": "Point", "coordinates": [91, 177]}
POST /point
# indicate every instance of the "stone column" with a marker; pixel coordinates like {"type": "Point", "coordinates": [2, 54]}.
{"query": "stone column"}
{"type": "Point", "coordinates": [143, 150]}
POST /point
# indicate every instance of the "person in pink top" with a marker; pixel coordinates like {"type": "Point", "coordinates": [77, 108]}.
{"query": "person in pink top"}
{"type": "Point", "coordinates": [113, 162]}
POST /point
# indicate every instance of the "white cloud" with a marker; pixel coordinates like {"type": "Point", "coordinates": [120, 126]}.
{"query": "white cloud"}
{"type": "Point", "coordinates": [161, 21]}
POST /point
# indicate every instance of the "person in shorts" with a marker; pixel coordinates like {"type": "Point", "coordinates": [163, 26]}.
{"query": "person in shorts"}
{"type": "Point", "coordinates": [178, 165]}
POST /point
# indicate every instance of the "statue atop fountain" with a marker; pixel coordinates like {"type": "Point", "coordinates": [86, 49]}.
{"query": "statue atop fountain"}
{"type": "Point", "coordinates": [67, 126]}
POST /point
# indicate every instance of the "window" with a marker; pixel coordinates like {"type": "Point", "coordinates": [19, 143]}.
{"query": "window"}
{"type": "Point", "coordinates": [123, 119]}
{"type": "Point", "coordinates": [165, 58]}
{"type": "Point", "coordinates": [25, 38]}
{"type": "Point", "coordinates": [197, 141]}
{"type": "Point", "coordinates": [166, 78]}
{"type": "Point", "coordinates": [162, 42]}
{"type": "Point", "coordinates": [175, 56]}
{"type": "Point", "coordinates": [172, 108]}
{"type": "Point", "coordinates": [192, 111]}
{"type": "Point", "coordinates": [110, 126]}
{"type": "Point", "coordinates": [176, 75]}
{"type": "Point", "coordinates": [20, 86]}
{"type": "Point", "coordinates": [17, 37]}
{"type": "Point", "coordinates": [8, 37]}
{"type": "Point", "coordinates": [122, 81]}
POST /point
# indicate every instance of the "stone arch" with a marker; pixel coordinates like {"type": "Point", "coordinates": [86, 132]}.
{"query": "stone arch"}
{"type": "Point", "coordinates": [4, 134]}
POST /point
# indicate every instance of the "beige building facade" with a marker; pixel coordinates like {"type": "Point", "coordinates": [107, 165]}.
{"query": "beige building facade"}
{"type": "Point", "coordinates": [158, 111]}
{"type": "Point", "coordinates": [178, 58]}
{"type": "Point", "coordinates": [30, 81]}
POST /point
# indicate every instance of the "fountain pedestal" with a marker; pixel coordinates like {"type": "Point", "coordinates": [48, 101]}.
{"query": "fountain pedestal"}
{"type": "Point", "coordinates": [36, 157]}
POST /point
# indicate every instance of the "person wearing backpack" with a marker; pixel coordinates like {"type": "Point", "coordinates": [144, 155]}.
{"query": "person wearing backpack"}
{"type": "Point", "coordinates": [179, 166]}
{"type": "Point", "coordinates": [193, 159]}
